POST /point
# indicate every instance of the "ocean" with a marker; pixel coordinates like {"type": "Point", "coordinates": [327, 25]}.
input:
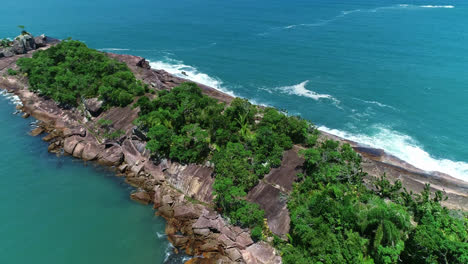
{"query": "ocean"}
{"type": "Point", "coordinates": [60, 210]}
{"type": "Point", "coordinates": [388, 74]}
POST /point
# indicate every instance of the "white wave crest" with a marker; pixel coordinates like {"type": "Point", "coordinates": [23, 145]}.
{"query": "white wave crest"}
{"type": "Point", "coordinates": [160, 235]}
{"type": "Point", "coordinates": [178, 68]}
{"type": "Point", "coordinates": [112, 49]}
{"type": "Point", "coordinates": [405, 148]}
{"type": "Point", "coordinates": [11, 97]}
{"type": "Point", "coordinates": [343, 14]}
{"type": "Point", "coordinates": [376, 103]}
{"type": "Point", "coordinates": [301, 90]}
{"type": "Point", "coordinates": [437, 6]}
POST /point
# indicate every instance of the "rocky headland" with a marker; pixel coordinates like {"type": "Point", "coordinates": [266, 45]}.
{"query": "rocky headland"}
{"type": "Point", "coordinates": [182, 194]}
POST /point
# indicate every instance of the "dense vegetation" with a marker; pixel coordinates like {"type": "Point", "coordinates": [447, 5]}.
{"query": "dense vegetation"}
{"type": "Point", "coordinates": [71, 71]}
{"type": "Point", "coordinates": [190, 127]}
{"type": "Point", "coordinates": [334, 217]}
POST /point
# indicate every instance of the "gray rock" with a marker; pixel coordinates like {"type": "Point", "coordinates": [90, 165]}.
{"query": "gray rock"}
{"type": "Point", "coordinates": [167, 199]}
{"type": "Point", "coordinates": [94, 106]}
{"type": "Point", "coordinates": [41, 41]}
{"type": "Point", "coordinates": [70, 143]}
{"type": "Point", "coordinates": [244, 240]}
{"type": "Point", "coordinates": [185, 212]}
{"type": "Point", "coordinates": [202, 231]}
{"type": "Point", "coordinates": [233, 254]}
{"type": "Point", "coordinates": [90, 151]}
{"type": "Point", "coordinates": [141, 197]}
{"type": "Point", "coordinates": [263, 253]}
{"type": "Point", "coordinates": [23, 43]}
{"type": "Point", "coordinates": [7, 52]}
{"type": "Point", "coordinates": [112, 156]}
{"type": "Point", "coordinates": [226, 241]}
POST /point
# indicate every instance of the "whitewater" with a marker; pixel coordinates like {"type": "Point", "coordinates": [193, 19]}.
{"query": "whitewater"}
{"type": "Point", "coordinates": [393, 142]}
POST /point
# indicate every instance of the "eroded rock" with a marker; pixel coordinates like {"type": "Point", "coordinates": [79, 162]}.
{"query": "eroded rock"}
{"type": "Point", "coordinates": [141, 197]}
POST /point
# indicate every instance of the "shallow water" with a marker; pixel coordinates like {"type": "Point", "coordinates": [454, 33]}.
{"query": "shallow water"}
{"type": "Point", "coordinates": [58, 210]}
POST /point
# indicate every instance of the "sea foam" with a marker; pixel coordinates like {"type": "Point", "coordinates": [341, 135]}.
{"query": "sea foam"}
{"type": "Point", "coordinates": [345, 13]}
{"type": "Point", "coordinates": [405, 148]}
{"type": "Point", "coordinates": [301, 90]}
{"type": "Point", "coordinates": [176, 68]}
{"type": "Point", "coordinates": [14, 99]}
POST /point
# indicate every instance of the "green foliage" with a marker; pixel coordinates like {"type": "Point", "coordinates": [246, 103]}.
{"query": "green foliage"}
{"type": "Point", "coordinates": [243, 141]}
{"type": "Point", "coordinates": [12, 72]}
{"type": "Point", "coordinates": [115, 134]}
{"type": "Point", "coordinates": [4, 43]}
{"type": "Point", "coordinates": [104, 122]}
{"type": "Point", "coordinates": [70, 70]}
{"type": "Point", "coordinates": [336, 219]}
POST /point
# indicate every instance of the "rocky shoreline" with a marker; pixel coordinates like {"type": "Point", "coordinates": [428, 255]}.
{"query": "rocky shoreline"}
{"type": "Point", "coordinates": [182, 194]}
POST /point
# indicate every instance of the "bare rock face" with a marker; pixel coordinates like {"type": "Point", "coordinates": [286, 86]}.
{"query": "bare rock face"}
{"type": "Point", "coordinates": [94, 106]}
{"type": "Point", "coordinates": [41, 41]}
{"type": "Point", "coordinates": [141, 197]}
{"type": "Point", "coordinates": [23, 43]}
{"type": "Point", "coordinates": [90, 151]}
{"type": "Point", "coordinates": [111, 156]}
{"type": "Point", "coordinates": [185, 212]}
{"type": "Point", "coordinates": [143, 64]}
{"type": "Point", "coordinates": [78, 151]}
{"type": "Point", "coordinates": [260, 253]}
{"type": "Point", "coordinates": [70, 143]}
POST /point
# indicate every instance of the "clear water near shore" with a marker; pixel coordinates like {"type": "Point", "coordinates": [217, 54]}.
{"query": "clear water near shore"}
{"type": "Point", "coordinates": [58, 210]}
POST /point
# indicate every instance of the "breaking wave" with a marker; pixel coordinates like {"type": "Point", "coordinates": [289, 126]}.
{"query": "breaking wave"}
{"type": "Point", "coordinates": [178, 68]}
{"type": "Point", "coordinates": [301, 90]}
{"type": "Point", "coordinates": [405, 148]}
{"type": "Point", "coordinates": [375, 103]}
{"type": "Point", "coordinates": [343, 14]}
{"type": "Point", "coordinates": [11, 97]}
{"type": "Point", "coordinates": [113, 49]}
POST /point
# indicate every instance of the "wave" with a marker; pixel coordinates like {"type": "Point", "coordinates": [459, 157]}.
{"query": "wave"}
{"type": "Point", "coordinates": [11, 97]}
{"type": "Point", "coordinates": [113, 49]}
{"type": "Point", "coordinates": [437, 6]}
{"type": "Point", "coordinates": [376, 103]}
{"type": "Point", "coordinates": [160, 235]}
{"type": "Point", "coordinates": [342, 14]}
{"type": "Point", "coordinates": [178, 68]}
{"type": "Point", "coordinates": [301, 90]}
{"type": "Point", "coordinates": [405, 148]}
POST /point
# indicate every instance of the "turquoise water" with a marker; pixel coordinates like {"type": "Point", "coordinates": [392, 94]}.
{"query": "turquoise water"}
{"type": "Point", "coordinates": [56, 210]}
{"type": "Point", "coordinates": [391, 74]}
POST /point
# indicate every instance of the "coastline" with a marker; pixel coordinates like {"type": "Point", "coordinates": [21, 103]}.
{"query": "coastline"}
{"type": "Point", "coordinates": [172, 187]}
{"type": "Point", "coordinates": [180, 193]}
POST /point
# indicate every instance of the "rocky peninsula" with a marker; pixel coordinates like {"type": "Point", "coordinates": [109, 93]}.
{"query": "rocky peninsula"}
{"type": "Point", "coordinates": [183, 194]}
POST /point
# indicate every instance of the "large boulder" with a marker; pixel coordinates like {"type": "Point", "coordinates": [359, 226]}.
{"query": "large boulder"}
{"type": "Point", "coordinates": [23, 43]}
{"type": "Point", "coordinates": [90, 151]}
{"type": "Point", "coordinates": [94, 106]}
{"type": "Point", "coordinates": [41, 41]}
{"type": "Point", "coordinates": [141, 197]}
{"type": "Point", "coordinates": [112, 156]}
{"type": "Point", "coordinates": [185, 212]}
{"type": "Point", "coordinates": [70, 143]}
{"type": "Point", "coordinates": [7, 52]}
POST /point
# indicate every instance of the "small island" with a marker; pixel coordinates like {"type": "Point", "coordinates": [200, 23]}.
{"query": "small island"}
{"type": "Point", "coordinates": [236, 182]}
